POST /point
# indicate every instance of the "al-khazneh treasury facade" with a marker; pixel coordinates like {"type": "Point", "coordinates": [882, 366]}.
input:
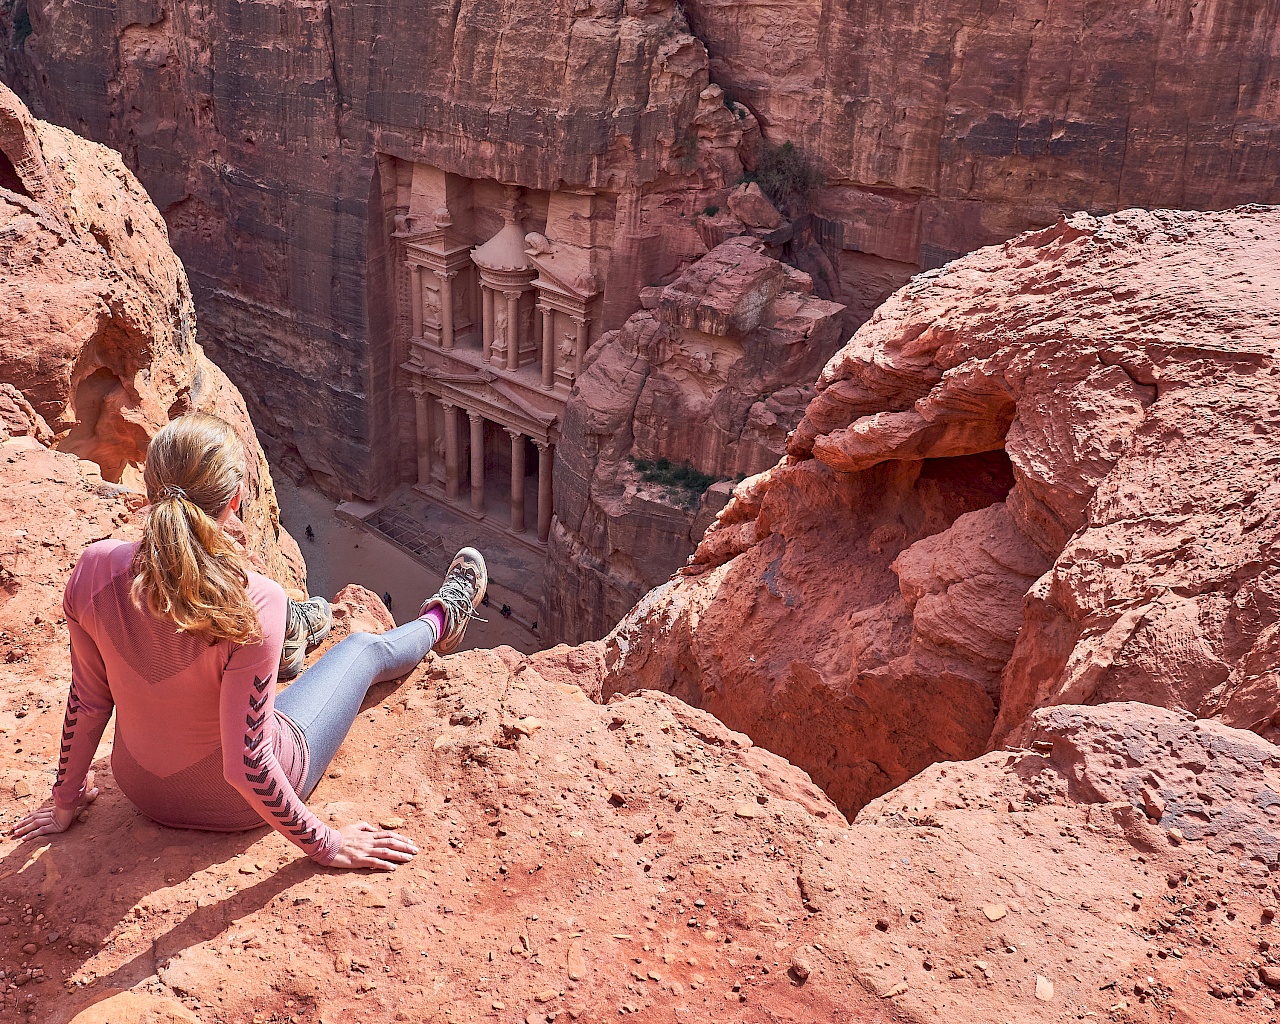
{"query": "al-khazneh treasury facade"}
{"type": "Point", "coordinates": [503, 289]}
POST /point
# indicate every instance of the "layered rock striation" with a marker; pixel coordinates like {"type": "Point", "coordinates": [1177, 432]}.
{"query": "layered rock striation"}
{"type": "Point", "coordinates": [946, 126]}
{"type": "Point", "coordinates": [704, 385]}
{"type": "Point", "coordinates": [933, 130]}
{"type": "Point", "coordinates": [1101, 394]}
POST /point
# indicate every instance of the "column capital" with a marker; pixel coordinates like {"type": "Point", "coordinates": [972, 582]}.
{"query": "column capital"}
{"type": "Point", "coordinates": [446, 406]}
{"type": "Point", "coordinates": [514, 433]}
{"type": "Point", "coordinates": [474, 415]}
{"type": "Point", "coordinates": [446, 275]}
{"type": "Point", "coordinates": [542, 445]}
{"type": "Point", "coordinates": [418, 391]}
{"type": "Point", "coordinates": [580, 321]}
{"type": "Point", "coordinates": [512, 295]}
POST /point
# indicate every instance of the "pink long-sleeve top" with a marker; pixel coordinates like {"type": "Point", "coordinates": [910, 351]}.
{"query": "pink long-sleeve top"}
{"type": "Point", "coordinates": [198, 742]}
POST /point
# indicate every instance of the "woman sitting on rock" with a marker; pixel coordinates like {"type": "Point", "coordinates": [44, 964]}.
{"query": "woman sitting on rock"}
{"type": "Point", "coordinates": [184, 641]}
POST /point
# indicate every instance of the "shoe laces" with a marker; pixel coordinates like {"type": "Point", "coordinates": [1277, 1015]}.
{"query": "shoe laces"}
{"type": "Point", "coordinates": [311, 616]}
{"type": "Point", "coordinates": [456, 593]}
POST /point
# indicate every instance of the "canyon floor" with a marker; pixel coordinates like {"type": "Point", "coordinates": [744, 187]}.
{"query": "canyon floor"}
{"type": "Point", "coordinates": [343, 553]}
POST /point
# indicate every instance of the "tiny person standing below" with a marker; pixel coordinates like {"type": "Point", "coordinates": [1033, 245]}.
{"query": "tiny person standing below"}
{"type": "Point", "coordinates": [183, 641]}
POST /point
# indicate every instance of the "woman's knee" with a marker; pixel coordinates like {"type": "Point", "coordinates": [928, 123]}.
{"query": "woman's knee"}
{"type": "Point", "coordinates": [370, 647]}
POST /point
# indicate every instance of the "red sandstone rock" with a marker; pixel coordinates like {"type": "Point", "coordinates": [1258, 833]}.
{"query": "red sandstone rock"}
{"type": "Point", "coordinates": [938, 128]}
{"type": "Point", "coordinates": [753, 207]}
{"type": "Point", "coordinates": [133, 1007]}
{"type": "Point", "coordinates": [1120, 554]}
{"type": "Point", "coordinates": [97, 328]}
{"type": "Point", "coordinates": [713, 377]}
{"type": "Point", "coordinates": [531, 871]}
{"type": "Point", "coordinates": [944, 127]}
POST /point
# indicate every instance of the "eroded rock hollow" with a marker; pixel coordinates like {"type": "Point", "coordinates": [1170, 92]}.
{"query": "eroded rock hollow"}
{"type": "Point", "coordinates": [1017, 486]}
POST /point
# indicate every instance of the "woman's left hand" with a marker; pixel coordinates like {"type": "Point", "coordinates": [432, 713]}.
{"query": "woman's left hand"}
{"type": "Point", "coordinates": [53, 819]}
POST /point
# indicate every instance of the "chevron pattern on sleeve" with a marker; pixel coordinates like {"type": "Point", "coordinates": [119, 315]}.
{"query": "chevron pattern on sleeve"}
{"type": "Point", "coordinates": [279, 801]}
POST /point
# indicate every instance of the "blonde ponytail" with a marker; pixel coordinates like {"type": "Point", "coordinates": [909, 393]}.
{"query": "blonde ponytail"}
{"type": "Point", "coordinates": [187, 569]}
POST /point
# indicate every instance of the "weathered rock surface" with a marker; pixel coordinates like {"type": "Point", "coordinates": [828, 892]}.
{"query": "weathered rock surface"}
{"type": "Point", "coordinates": [1123, 369]}
{"type": "Point", "coordinates": [713, 376]}
{"type": "Point", "coordinates": [97, 327]}
{"type": "Point", "coordinates": [1211, 783]}
{"type": "Point", "coordinates": [943, 127]}
{"type": "Point", "coordinates": [938, 129]}
{"type": "Point", "coordinates": [641, 857]}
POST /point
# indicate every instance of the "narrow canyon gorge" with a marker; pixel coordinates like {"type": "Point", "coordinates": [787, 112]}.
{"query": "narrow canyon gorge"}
{"type": "Point", "coordinates": [869, 411]}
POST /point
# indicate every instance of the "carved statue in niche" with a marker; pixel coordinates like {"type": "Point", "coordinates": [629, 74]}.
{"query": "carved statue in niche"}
{"type": "Point", "coordinates": [568, 348]}
{"type": "Point", "coordinates": [702, 361]}
{"type": "Point", "coordinates": [499, 348]}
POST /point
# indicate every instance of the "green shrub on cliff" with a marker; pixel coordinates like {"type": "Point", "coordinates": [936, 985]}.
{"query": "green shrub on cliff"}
{"type": "Point", "coordinates": [676, 477]}
{"type": "Point", "coordinates": [785, 175]}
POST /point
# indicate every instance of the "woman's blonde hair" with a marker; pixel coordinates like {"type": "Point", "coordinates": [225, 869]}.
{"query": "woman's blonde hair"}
{"type": "Point", "coordinates": [187, 569]}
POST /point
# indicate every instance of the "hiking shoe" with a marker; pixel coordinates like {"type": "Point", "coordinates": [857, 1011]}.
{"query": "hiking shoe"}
{"type": "Point", "coordinates": [306, 624]}
{"type": "Point", "coordinates": [459, 595]}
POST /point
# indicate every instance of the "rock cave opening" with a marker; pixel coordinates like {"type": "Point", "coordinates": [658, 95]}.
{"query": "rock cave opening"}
{"type": "Point", "coordinates": [9, 178]}
{"type": "Point", "coordinates": [100, 434]}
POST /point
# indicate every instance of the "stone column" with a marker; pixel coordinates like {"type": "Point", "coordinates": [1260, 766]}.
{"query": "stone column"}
{"type": "Point", "coordinates": [415, 298]}
{"type": "Point", "coordinates": [517, 480]}
{"type": "Point", "coordinates": [548, 346]}
{"type": "Point", "coordinates": [477, 462]}
{"type": "Point", "coordinates": [422, 406]}
{"type": "Point", "coordinates": [450, 451]}
{"type": "Point", "coordinates": [486, 321]}
{"type": "Point", "coordinates": [580, 344]}
{"type": "Point", "coordinates": [446, 307]}
{"type": "Point", "coordinates": [513, 330]}
{"type": "Point", "coordinates": [545, 463]}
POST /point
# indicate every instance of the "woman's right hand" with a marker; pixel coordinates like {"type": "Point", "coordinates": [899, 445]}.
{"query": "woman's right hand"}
{"type": "Point", "coordinates": [364, 846]}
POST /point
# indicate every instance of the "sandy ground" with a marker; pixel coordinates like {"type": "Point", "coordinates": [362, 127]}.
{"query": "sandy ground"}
{"type": "Point", "coordinates": [342, 554]}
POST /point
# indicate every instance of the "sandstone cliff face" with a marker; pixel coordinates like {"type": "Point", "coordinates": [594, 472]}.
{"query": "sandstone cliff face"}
{"type": "Point", "coordinates": [946, 126]}
{"type": "Point", "coordinates": [711, 377]}
{"type": "Point", "coordinates": [939, 128]}
{"type": "Point", "coordinates": [1122, 370]}
{"type": "Point", "coordinates": [277, 207]}
{"type": "Point", "coordinates": [97, 328]}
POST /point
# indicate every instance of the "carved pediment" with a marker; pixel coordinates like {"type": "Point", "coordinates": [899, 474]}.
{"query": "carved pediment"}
{"type": "Point", "coordinates": [484, 388]}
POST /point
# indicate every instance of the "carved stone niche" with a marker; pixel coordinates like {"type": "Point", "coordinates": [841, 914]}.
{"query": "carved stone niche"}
{"type": "Point", "coordinates": [444, 288]}
{"type": "Point", "coordinates": [567, 293]}
{"type": "Point", "coordinates": [506, 293]}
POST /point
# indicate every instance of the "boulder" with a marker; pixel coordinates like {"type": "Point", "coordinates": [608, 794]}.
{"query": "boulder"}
{"type": "Point", "coordinates": [753, 207]}
{"type": "Point", "coordinates": [98, 344]}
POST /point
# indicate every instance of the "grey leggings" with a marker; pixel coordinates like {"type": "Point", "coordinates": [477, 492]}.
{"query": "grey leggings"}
{"type": "Point", "coordinates": [325, 699]}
